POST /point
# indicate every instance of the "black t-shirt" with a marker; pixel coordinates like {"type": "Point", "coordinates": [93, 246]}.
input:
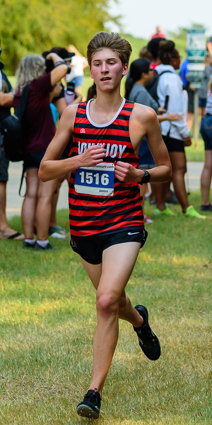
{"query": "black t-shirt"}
{"type": "Point", "coordinates": [6, 88]}
{"type": "Point", "coordinates": [62, 94]}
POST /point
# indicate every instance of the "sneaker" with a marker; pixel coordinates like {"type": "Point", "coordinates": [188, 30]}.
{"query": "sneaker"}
{"type": "Point", "coordinates": [28, 245]}
{"type": "Point", "coordinates": [206, 207]}
{"type": "Point", "coordinates": [191, 212]}
{"type": "Point", "coordinates": [90, 406]}
{"type": "Point", "coordinates": [167, 211]}
{"type": "Point", "coordinates": [57, 235]}
{"type": "Point", "coordinates": [147, 220]}
{"type": "Point", "coordinates": [148, 341]}
{"type": "Point", "coordinates": [40, 248]}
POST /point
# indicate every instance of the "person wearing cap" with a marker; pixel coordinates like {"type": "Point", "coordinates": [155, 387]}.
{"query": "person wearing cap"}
{"type": "Point", "coordinates": [78, 64]}
{"type": "Point", "coordinates": [59, 101]}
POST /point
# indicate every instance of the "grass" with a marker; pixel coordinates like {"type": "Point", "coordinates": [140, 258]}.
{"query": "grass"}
{"type": "Point", "coordinates": [47, 322]}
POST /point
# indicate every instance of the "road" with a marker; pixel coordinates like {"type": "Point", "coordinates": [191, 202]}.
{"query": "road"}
{"type": "Point", "coordinates": [14, 201]}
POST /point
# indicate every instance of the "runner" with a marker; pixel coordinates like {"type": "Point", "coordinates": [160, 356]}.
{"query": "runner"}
{"type": "Point", "coordinates": [106, 219]}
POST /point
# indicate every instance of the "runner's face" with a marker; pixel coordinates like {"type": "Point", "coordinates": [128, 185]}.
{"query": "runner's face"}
{"type": "Point", "coordinates": [107, 69]}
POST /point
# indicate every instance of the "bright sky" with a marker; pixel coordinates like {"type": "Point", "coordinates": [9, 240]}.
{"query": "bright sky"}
{"type": "Point", "coordinates": [140, 17]}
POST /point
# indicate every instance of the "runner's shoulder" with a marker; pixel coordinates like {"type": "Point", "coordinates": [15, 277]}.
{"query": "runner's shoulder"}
{"type": "Point", "coordinates": [143, 113]}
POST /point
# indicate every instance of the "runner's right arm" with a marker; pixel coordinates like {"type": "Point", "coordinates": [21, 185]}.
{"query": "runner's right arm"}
{"type": "Point", "coordinates": [51, 166]}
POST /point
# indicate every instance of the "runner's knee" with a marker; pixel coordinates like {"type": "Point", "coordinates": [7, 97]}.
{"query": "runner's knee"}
{"type": "Point", "coordinates": [107, 304]}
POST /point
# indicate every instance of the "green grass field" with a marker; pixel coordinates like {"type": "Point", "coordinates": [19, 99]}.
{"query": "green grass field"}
{"type": "Point", "coordinates": [47, 323]}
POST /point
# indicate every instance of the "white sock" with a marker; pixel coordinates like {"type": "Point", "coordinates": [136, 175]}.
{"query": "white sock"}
{"type": "Point", "coordinates": [43, 243]}
{"type": "Point", "coordinates": [30, 241]}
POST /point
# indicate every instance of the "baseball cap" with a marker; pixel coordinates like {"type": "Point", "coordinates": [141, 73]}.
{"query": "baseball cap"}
{"type": "Point", "coordinates": [63, 53]}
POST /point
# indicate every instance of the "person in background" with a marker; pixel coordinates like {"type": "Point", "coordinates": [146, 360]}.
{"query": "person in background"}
{"type": "Point", "coordinates": [140, 75]}
{"type": "Point", "coordinates": [183, 73]}
{"type": "Point", "coordinates": [59, 101]}
{"type": "Point", "coordinates": [158, 34]}
{"type": "Point", "coordinates": [145, 53]}
{"type": "Point", "coordinates": [78, 64]}
{"type": "Point", "coordinates": [6, 97]}
{"type": "Point", "coordinates": [209, 45]}
{"type": "Point", "coordinates": [38, 130]}
{"type": "Point", "coordinates": [203, 90]}
{"type": "Point", "coordinates": [176, 135]}
{"type": "Point", "coordinates": [153, 49]}
{"type": "Point", "coordinates": [206, 132]}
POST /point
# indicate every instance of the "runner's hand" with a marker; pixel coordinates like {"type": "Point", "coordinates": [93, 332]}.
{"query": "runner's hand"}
{"type": "Point", "coordinates": [92, 156]}
{"type": "Point", "coordinates": [125, 172]}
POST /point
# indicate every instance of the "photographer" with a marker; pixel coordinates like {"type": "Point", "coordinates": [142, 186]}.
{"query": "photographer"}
{"type": "Point", "coordinates": [38, 130]}
{"type": "Point", "coordinates": [5, 103]}
{"type": "Point", "coordinates": [60, 97]}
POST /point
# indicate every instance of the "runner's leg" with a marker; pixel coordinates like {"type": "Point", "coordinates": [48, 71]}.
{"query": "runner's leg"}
{"type": "Point", "coordinates": [117, 266]}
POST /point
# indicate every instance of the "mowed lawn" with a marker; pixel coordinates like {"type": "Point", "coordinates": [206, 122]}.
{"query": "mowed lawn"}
{"type": "Point", "coordinates": [47, 323]}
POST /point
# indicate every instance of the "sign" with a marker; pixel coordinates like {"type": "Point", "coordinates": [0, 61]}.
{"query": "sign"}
{"type": "Point", "coordinates": [196, 47]}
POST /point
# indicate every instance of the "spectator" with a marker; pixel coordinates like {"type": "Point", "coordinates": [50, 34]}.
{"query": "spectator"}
{"type": "Point", "coordinates": [158, 34]}
{"type": "Point", "coordinates": [203, 90]}
{"type": "Point", "coordinates": [176, 135]}
{"type": "Point", "coordinates": [153, 48]}
{"type": "Point", "coordinates": [140, 75]}
{"type": "Point", "coordinates": [145, 53]}
{"type": "Point", "coordinates": [5, 103]}
{"type": "Point", "coordinates": [209, 45]}
{"type": "Point", "coordinates": [206, 131]}
{"type": "Point", "coordinates": [60, 101]}
{"type": "Point", "coordinates": [78, 64]}
{"type": "Point", "coordinates": [38, 131]}
{"type": "Point", "coordinates": [191, 91]}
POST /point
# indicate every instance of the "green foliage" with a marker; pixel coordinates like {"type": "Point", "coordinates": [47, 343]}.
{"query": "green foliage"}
{"type": "Point", "coordinates": [36, 26]}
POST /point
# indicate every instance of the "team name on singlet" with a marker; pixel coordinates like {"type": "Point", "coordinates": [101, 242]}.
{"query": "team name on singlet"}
{"type": "Point", "coordinates": [112, 150]}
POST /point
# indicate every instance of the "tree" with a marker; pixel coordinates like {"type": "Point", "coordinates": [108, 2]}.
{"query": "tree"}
{"type": "Point", "coordinates": [36, 26]}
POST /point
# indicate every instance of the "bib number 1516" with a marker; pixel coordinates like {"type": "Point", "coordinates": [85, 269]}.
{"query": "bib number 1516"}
{"type": "Point", "coordinates": [97, 180]}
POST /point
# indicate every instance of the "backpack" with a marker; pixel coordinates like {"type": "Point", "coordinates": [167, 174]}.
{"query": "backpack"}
{"type": "Point", "coordinates": [152, 86]}
{"type": "Point", "coordinates": [11, 129]}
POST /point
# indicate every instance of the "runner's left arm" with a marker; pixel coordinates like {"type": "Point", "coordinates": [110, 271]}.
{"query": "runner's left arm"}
{"type": "Point", "coordinates": [145, 123]}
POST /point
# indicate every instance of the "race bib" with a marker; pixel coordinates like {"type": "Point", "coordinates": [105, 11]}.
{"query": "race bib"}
{"type": "Point", "coordinates": [97, 180]}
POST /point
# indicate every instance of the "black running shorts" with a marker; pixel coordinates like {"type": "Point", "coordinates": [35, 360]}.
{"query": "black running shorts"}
{"type": "Point", "coordinates": [90, 248]}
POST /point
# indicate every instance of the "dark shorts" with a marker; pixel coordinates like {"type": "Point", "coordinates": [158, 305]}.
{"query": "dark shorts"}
{"type": "Point", "coordinates": [206, 131]}
{"type": "Point", "coordinates": [191, 100]}
{"type": "Point", "coordinates": [4, 163]}
{"type": "Point", "coordinates": [90, 248]}
{"type": "Point", "coordinates": [174, 145]}
{"type": "Point", "coordinates": [33, 160]}
{"type": "Point", "coordinates": [202, 102]}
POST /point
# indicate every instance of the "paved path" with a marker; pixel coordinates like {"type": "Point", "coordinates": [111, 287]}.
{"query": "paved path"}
{"type": "Point", "coordinates": [14, 201]}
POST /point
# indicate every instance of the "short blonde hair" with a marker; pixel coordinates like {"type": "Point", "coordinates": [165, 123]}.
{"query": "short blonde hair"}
{"type": "Point", "coordinates": [112, 41]}
{"type": "Point", "coordinates": [30, 68]}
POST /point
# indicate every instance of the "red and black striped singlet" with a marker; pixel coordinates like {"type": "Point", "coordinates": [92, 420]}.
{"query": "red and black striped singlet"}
{"type": "Point", "coordinates": [88, 214]}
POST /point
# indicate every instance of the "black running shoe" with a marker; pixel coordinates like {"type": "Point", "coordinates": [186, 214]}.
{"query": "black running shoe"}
{"type": "Point", "coordinates": [40, 248]}
{"type": "Point", "coordinates": [90, 406]}
{"type": "Point", "coordinates": [148, 341]}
